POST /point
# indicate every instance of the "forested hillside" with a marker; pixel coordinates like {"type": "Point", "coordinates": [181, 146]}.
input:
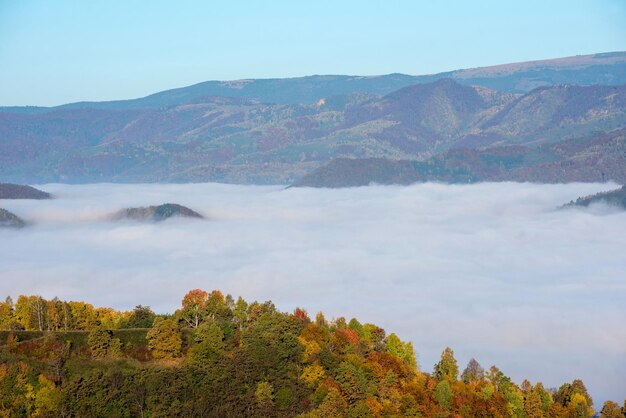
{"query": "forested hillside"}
{"type": "Point", "coordinates": [221, 357]}
{"type": "Point", "coordinates": [277, 131]}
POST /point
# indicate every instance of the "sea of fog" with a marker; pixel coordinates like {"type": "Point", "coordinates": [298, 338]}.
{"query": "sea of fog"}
{"type": "Point", "coordinates": [493, 270]}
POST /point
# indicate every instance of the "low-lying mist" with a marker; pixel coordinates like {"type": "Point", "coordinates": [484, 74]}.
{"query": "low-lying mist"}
{"type": "Point", "coordinates": [495, 271]}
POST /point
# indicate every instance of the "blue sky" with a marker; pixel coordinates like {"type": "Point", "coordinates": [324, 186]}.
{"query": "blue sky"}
{"type": "Point", "coordinates": [54, 52]}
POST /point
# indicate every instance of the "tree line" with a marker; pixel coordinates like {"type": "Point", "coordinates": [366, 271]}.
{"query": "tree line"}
{"type": "Point", "coordinates": [220, 357]}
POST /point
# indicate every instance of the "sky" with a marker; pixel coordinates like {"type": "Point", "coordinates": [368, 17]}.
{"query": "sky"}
{"type": "Point", "coordinates": [54, 52]}
{"type": "Point", "coordinates": [493, 270]}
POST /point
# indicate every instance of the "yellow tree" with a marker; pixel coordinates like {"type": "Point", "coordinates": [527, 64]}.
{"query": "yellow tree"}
{"type": "Point", "coordinates": [164, 339]}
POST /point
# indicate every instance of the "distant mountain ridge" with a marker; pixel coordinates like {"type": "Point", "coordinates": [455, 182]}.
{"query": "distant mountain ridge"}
{"type": "Point", "coordinates": [603, 68]}
{"type": "Point", "coordinates": [191, 134]}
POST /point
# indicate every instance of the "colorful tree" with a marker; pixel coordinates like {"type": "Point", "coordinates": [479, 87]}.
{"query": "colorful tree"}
{"type": "Point", "coordinates": [83, 316]}
{"type": "Point", "coordinates": [611, 409]}
{"type": "Point", "coordinates": [532, 401]}
{"type": "Point", "coordinates": [31, 312]}
{"type": "Point", "coordinates": [194, 305]}
{"type": "Point", "coordinates": [6, 313]}
{"type": "Point", "coordinates": [55, 318]}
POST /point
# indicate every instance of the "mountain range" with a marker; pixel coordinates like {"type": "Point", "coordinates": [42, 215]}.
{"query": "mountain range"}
{"type": "Point", "coordinates": [278, 131]}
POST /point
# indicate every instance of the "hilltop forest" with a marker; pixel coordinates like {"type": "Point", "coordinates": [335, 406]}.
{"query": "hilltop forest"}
{"type": "Point", "coordinates": [221, 357]}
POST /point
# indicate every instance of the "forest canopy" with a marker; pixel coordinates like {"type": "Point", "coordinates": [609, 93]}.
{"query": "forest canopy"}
{"type": "Point", "coordinates": [218, 356]}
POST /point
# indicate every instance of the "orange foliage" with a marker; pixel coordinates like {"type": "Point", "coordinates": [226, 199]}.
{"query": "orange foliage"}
{"type": "Point", "coordinates": [301, 315]}
{"type": "Point", "coordinates": [344, 338]}
{"type": "Point", "coordinates": [196, 297]}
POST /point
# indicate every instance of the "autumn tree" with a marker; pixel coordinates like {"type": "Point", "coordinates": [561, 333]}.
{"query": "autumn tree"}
{"type": "Point", "coordinates": [83, 315]}
{"type": "Point", "coordinates": [6, 313]}
{"type": "Point", "coordinates": [611, 409]}
{"type": "Point", "coordinates": [544, 395]}
{"type": "Point", "coordinates": [575, 398]}
{"type": "Point", "coordinates": [194, 305]}
{"type": "Point", "coordinates": [55, 312]}
{"type": "Point", "coordinates": [48, 398]}
{"type": "Point", "coordinates": [31, 312]}
{"type": "Point", "coordinates": [532, 401]}
{"type": "Point", "coordinates": [164, 339]}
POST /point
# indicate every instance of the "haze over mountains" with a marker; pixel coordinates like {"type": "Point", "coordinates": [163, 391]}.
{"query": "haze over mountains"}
{"type": "Point", "coordinates": [277, 131]}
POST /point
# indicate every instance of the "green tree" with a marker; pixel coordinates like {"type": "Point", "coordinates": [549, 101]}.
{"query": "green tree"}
{"type": "Point", "coordinates": [99, 342]}
{"type": "Point", "coordinates": [141, 317]}
{"type": "Point", "coordinates": [209, 342]}
{"type": "Point", "coordinates": [240, 313]}
{"type": "Point", "coordinates": [115, 348]}
{"type": "Point", "coordinates": [447, 367]}
{"type": "Point", "coordinates": [48, 398]}
{"type": "Point", "coordinates": [443, 394]}
{"type": "Point", "coordinates": [375, 337]}
{"type": "Point", "coordinates": [401, 350]}
{"type": "Point", "coordinates": [333, 405]}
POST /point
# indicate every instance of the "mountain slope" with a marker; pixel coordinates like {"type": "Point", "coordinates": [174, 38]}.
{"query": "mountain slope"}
{"type": "Point", "coordinates": [599, 157]}
{"type": "Point", "coordinates": [18, 191]}
{"type": "Point", "coordinates": [10, 220]}
{"type": "Point", "coordinates": [613, 198]}
{"type": "Point", "coordinates": [276, 131]}
{"type": "Point", "coordinates": [243, 141]}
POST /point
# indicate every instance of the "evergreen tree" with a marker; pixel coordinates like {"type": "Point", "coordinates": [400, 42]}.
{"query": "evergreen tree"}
{"type": "Point", "coordinates": [447, 367]}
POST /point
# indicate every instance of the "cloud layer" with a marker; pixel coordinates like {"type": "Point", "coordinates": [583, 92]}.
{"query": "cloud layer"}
{"type": "Point", "coordinates": [493, 270]}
